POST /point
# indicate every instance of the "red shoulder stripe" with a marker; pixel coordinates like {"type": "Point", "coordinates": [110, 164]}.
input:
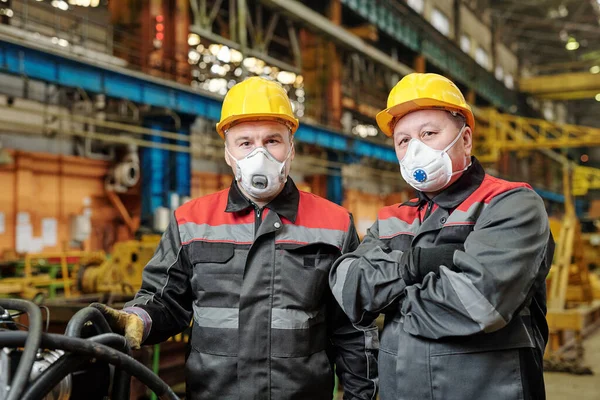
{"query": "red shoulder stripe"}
{"type": "Point", "coordinates": [210, 210]}
{"type": "Point", "coordinates": [490, 188]}
{"type": "Point", "coordinates": [404, 213]}
{"type": "Point", "coordinates": [317, 212]}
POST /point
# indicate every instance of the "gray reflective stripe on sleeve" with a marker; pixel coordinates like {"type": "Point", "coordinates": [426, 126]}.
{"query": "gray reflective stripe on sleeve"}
{"type": "Point", "coordinates": [216, 317]}
{"type": "Point", "coordinates": [393, 226]}
{"type": "Point", "coordinates": [340, 280]}
{"type": "Point", "coordinates": [371, 338]}
{"type": "Point", "coordinates": [303, 235]}
{"type": "Point", "coordinates": [283, 318]}
{"type": "Point", "coordinates": [242, 233]}
{"type": "Point", "coordinates": [479, 308]}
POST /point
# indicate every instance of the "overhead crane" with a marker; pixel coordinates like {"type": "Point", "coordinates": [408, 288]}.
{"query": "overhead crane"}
{"type": "Point", "coordinates": [498, 132]}
{"type": "Point", "coordinates": [562, 86]}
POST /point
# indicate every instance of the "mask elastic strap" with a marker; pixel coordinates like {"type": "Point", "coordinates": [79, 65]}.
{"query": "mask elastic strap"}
{"type": "Point", "coordinates": [455, 139]}
{"type": "Point", "coordinates": [462, 170]}
{"type": "Point", "coordinates": [230, 155]}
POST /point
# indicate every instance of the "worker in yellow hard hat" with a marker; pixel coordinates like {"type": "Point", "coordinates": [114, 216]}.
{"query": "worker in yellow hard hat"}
{"type": "Point", "coordinates": [249, 266]}
{"type": "Point", "coordinates": [459, 271]}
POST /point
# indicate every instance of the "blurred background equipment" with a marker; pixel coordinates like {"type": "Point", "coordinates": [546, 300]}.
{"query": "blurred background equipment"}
{"type": "Point", "coordinates": [122, 272]}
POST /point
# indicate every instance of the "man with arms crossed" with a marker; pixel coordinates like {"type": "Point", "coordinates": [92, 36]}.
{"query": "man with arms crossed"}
{"type": "Point", "coordinates": [459, 272]}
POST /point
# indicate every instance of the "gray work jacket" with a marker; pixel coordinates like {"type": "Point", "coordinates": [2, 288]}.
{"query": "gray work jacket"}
{"type": "Point", "coordinates": [265, 324]}
{"type": "Point", "coordinates": [475, 328]}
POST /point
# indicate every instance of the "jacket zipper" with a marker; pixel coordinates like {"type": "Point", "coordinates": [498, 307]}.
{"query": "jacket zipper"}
{"type": "Point", "coordinates": [257, 219]}
{"type": "Point", "coordinates": [428, 210]}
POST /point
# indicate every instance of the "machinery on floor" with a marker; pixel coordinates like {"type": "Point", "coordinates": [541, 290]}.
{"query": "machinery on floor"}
{"type": "Point", "coordinates": [73, 365]}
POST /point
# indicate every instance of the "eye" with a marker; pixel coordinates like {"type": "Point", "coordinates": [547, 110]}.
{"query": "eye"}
{"type": "Point", "coordinates": [244, 144]}
{"type": "Point", "coordinates": [428, 134]}
{"type": "Point", "coordinates": [403, 142]}
{"type": "Point", "coordinates": [272, 141]}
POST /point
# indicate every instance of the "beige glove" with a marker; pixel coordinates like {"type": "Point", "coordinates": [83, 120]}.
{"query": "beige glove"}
{"type": "Point", "coordinates": [123, 323]}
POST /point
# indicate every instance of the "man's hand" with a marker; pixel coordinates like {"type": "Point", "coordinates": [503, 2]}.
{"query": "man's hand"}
{"type": "Point", "coordinates": [417, 262]}
{"type": "Point", "coordinates": [128, 324]}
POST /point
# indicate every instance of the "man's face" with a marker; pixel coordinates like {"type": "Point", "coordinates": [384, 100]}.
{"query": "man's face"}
{"type": "Point", "coordinates": [437, 129]}
{"type": "Point", "coordinates": [243, 138]}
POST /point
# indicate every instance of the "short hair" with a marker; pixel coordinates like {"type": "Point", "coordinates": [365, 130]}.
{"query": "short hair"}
{"type": "Point", "coordinates": [458, 118]}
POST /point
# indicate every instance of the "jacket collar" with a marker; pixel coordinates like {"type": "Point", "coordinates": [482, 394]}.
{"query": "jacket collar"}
{"type": "Point", "coordinates": [285, 204]}
{"type": "Point", "coordinates": [456, 193]}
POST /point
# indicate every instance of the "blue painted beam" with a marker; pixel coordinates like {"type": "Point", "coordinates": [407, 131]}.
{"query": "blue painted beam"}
{"type": "Point", "coordinates": [115, 82]}
{"type": "Point", "coordinates": [140, 88]}
{"type": "Point", "coordinates": [61, 69]}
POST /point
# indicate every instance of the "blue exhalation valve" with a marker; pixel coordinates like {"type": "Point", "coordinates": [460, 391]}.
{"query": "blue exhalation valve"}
{"type": "Point", "coordinates": [420, 175]}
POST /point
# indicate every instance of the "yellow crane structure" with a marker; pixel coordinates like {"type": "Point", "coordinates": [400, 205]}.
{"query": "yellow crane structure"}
{"type": "Point", "coordinates": [571, 303]}
{"type": "Point", "coordinates": [498, 132]}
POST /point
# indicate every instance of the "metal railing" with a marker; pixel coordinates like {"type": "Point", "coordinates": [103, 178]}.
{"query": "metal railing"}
{"type": "Point", "coordinates": [91, 36]}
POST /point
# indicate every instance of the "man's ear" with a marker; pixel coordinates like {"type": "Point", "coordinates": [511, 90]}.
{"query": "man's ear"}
{"type": "Point", "coordinates": [226, 154]}
{"type": "Point", "coordinates": [468, 140]}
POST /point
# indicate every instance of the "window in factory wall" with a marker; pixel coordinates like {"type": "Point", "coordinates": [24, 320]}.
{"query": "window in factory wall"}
{"type": "Point", "coordinates": [440, 21]}
{"type": "Point", "coordinates": [481, 57]}
{"type": "Point", "coordinates": [509, 81]}
{"type": "Point", "coordinates": [499, 73]}
{"type": "Point", "coordinates": [417, 5]}
{"type": "Point", "coordinates": [465, 43]}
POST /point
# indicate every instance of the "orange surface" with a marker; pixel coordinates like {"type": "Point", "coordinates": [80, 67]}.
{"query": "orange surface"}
{"type": "Point", "coordinates": [55, 186]}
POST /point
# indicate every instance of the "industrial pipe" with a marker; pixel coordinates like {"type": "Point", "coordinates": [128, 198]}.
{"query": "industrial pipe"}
{"type": "Point", "coordinates": [31, 341]}
{"type": "Point", "coordinates": [96, 350]}
{"type": "Point", "coordinates": [74, 328]}
{"type": "Point", "coordinates": [70, 363]}
{"type": "Point", "coordinates": [83, 316]}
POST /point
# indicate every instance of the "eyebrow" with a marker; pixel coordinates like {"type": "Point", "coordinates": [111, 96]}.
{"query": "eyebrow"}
{"type": "Point", "coordinates": [249, 139]}
{"type": "Point", "coordinates": [242, 139]}
{"type": "Point", "coordinates": [274, 136]}
{"type": "Point", "coordinates": [423, 125]}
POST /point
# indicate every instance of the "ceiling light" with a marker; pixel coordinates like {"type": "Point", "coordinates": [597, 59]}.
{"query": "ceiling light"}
{"type": "Point", "coordinates": [598, 97]}
{"type": "Point", "coordinates": [572, 44]}
{"type": "Point", "coordinates": [285, 77]}
{"type": "Point", "coordinates": [60, 4]}
{"type": "Point", "coordinates": [595, 69]}
{"type": "Point", "coordinates": [193, 39]}
{"type": "Point", "coordinates": [563, 11]}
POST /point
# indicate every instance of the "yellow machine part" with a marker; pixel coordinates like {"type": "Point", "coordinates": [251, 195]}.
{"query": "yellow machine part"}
{"type": "Point", "coordinates": [122, 272]}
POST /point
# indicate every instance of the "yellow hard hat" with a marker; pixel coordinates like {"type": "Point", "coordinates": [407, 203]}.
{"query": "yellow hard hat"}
{"type": "Point", "coordinates": [256, 99]}
{"type": "Point", "coordinates": [418, 91]}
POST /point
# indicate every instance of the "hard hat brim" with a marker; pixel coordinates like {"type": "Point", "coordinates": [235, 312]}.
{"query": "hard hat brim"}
{"type": "Point", "coordinates": [222, 126]}
{"type": "Point", "coordinates": [386, 117]}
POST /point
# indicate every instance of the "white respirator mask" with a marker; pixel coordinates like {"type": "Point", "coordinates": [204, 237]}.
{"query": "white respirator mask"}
{"type": "Point", "coordinates": [260, 174]}
{"type": "Point", "coordinates": [427, 169]}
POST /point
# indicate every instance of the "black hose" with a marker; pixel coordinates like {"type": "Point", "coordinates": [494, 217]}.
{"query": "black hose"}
{"type": "Point", "coordinates": [31, 343]}
{"type": "Point", "coordinates": [70, 363]}
{"type": "Point", "coordinates": [97, 350]}
{"type": "Point", "coordinates": [75, 326]}
{"type": "Point", "coordinates": [83, 316]}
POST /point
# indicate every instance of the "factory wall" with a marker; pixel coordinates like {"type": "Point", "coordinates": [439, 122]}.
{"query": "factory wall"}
{"type": "Point", "coordinates": [41, 195]}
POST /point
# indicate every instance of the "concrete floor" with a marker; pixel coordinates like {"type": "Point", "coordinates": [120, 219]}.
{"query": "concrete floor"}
{"type": "Point", "coordinates": [561, 386]}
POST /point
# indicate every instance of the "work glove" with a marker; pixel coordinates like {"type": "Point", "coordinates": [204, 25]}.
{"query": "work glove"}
{"type": "Point", "coordinates": [417, 262]}
{"type": "Point", "coordinates": [124, 323]}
